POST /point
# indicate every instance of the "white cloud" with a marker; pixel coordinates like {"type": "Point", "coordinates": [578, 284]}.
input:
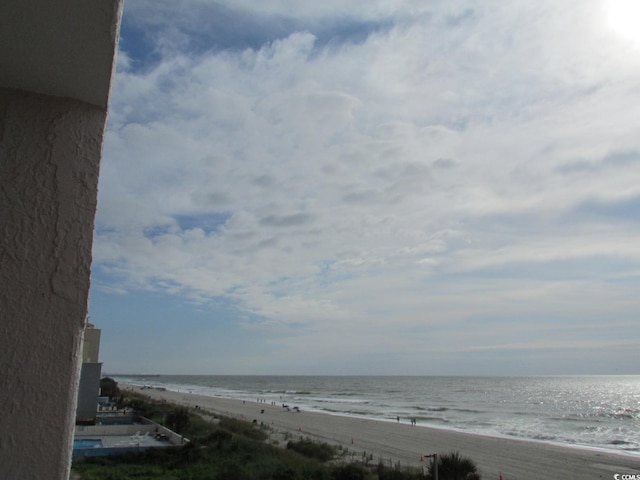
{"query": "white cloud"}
{"type": "Point", "coordinates": [381, 181]}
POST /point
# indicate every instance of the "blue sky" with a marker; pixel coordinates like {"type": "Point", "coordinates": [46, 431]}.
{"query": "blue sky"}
{"type": "Point", "coordinates": [383, 187]}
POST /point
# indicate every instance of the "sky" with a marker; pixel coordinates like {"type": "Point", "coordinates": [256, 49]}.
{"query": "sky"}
{"type": "Point", "coordinates": [384, 187]}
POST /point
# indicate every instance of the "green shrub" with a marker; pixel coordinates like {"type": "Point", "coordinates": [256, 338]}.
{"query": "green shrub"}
{"type": "Point", "coordinates": [350, 472]}
{"type": "Point", "coordinates": [109, 388]}
{"type": "Point", "coordinates": [397, 473]}
{"type": "Point", "coordinates": [320, 451]}
{"type": "Point", "coordinates": [178, 420]}
{"type": "Point", "coordinates": [452, 466]}
{"type": "Point", "coordinates": [218, 438]}
{"type": "Point", "coordinates": [239, 427]}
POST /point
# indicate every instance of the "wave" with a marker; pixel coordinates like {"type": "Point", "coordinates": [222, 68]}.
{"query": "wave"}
{"type": "Point", "coordinates": [605, 416]}
{"type": "Point", "coordinates": [288, 392]}
{"type": "Point", "coordinates": [445, 409]}
{"type": "Point", "coordinates": [467, 410]}
{"type": "Point", "coordinates": [540, 437]}
{"type": "Point", "coordinates": [619, 442]}
{"type": "Point", "coordinates": [432, 420]}
{"type": "Point", "coordinates": [626, 414]}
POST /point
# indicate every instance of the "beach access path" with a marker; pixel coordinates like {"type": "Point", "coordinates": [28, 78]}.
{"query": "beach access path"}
{"type": "Point", "coordinates": [392, 442]}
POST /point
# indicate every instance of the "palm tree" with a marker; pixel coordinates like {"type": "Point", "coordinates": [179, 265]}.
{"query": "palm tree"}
{"type": "Point", "coordinates": [452, 466]}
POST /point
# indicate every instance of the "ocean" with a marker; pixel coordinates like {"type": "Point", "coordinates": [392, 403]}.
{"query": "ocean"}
{"type": "Point", "coordinates": [600, 412]}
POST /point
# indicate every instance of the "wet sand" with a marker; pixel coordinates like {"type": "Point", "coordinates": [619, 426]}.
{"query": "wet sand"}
{"type": "Point", "coordinates": [393, 442]}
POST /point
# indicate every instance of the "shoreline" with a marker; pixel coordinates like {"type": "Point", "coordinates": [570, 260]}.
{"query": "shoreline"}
{"type": "Point", "coordinates": [496, 435]}
{"type": "Point", "coordinates": [388, 441]}
{"type": "Point", "coordinates": [592, 448]}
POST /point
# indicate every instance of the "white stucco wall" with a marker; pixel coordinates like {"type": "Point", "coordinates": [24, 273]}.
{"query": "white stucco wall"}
{"type": "Point", "coordinates": [49, 159]}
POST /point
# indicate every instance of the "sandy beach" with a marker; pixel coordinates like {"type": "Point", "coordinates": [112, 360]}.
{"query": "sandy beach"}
{"type": "Point", "coordinates": [401, 442]}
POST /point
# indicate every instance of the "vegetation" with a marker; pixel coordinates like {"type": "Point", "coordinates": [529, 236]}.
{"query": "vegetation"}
{"type": "Point", "coordinates": [109, 388]}
{"type": "Point", "coordinates": [454, 467]}
{"type": "Point", "coordinates": [320, 451]}
{"type": "Point", "coordinates": [245, 429]}
{"type": "Point", "coordinates": [178, 419]}
{"type": "Point", "coordinates": [230, 449]}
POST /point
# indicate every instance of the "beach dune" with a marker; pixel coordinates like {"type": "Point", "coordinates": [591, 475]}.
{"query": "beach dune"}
{"type": "Point", "coordinates": [392, 442]}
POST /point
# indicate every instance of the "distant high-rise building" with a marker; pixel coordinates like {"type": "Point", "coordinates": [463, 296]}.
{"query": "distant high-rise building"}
{"type": "Point", "coordinates": [91, 345]}
{"type": "Point", "coordinates": [90, 374]}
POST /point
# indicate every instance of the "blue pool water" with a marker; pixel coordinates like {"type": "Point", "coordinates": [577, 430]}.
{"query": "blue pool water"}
{"type": "Point", "coordinates": [87, 443]}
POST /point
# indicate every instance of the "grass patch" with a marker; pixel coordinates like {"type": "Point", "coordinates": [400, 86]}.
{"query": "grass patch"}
{"type": "Point", "coordinates": [319, 451]}
{"type": "Point", "coordinates": [246, 429]}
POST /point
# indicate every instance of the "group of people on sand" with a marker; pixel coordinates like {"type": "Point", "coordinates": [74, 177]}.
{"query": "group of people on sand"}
{"type": "Point", "coordinates": [412, 419]}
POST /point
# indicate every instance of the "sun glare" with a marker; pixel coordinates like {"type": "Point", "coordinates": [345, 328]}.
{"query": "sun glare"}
{"type": "Point", "coordinates": [624, 18]}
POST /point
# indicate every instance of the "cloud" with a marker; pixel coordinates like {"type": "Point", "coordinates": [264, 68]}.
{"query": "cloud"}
{"type": "Point", "coordinates": [371, 164]}
{"type": "Point", "coordinates": [296, 219]}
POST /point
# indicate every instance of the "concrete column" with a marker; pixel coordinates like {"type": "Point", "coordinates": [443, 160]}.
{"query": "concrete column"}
{"type": "Point", "coordinates": [49, 157]}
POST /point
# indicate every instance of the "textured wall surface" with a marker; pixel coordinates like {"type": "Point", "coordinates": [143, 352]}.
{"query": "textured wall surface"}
{"type": "Point", "coordinates": [49, 159]}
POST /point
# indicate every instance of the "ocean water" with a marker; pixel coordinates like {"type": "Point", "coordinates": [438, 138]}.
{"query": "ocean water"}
{"type": "Point", "coordinates": [601, 412]}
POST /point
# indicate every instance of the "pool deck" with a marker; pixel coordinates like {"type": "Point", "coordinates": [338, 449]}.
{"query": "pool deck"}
{"type": "Point", "coordinates": [111, 441]}
{"type": "Point", "coordinates": [121, 439]}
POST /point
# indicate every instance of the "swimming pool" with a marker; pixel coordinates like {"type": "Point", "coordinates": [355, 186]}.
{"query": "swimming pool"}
{"type": "Point", "coordinates": [87, 443]}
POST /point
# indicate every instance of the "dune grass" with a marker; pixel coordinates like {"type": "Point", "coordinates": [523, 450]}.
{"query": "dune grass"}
{"type": "Point", "coordinates": [228, 449]}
